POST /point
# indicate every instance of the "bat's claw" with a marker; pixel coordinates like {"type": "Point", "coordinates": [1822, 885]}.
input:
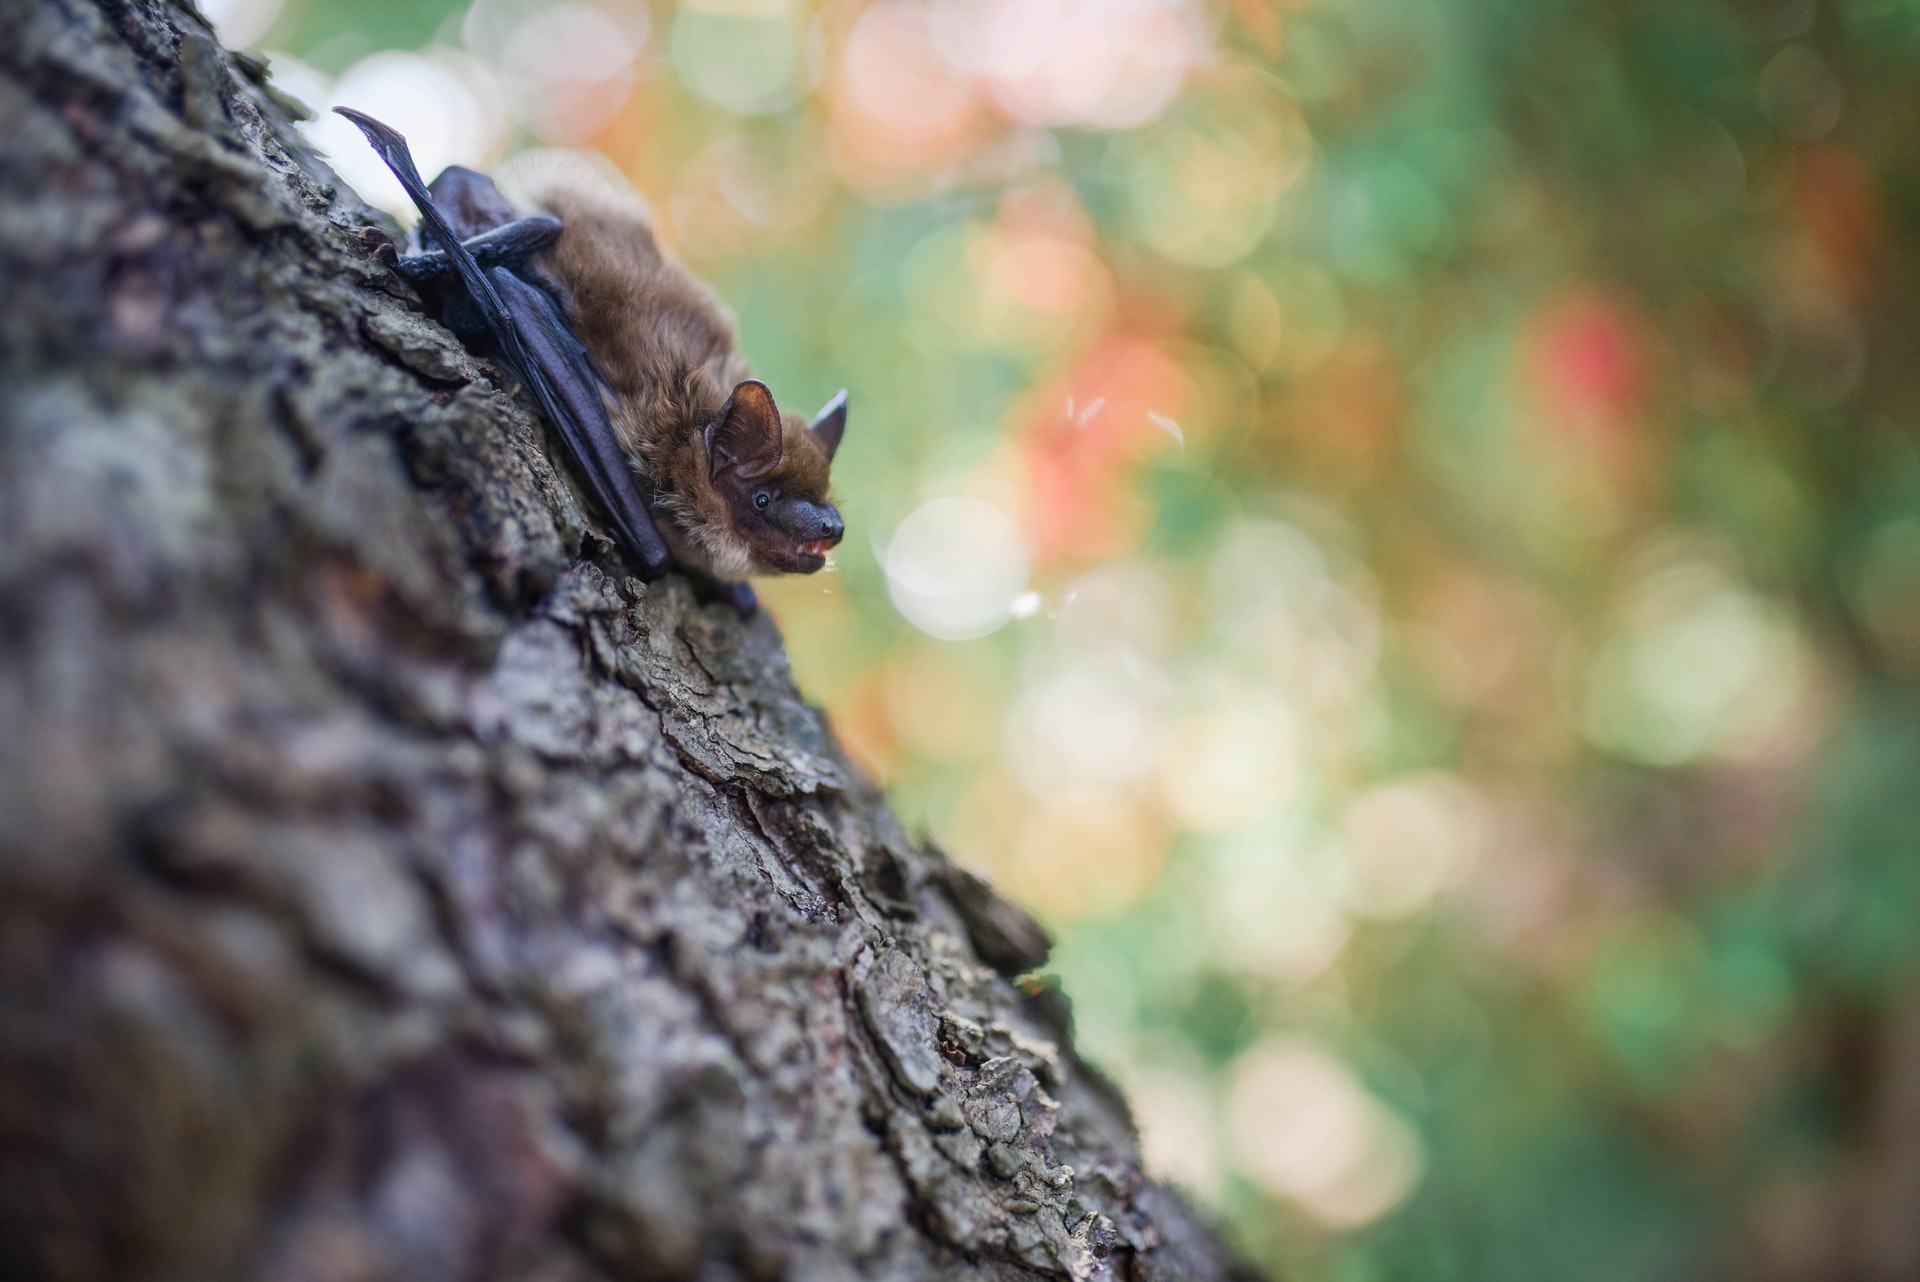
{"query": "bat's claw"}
{"type": "Point", "coordinates": [381, 247]}
{"type": "Point", "coordinates": [707, 590]}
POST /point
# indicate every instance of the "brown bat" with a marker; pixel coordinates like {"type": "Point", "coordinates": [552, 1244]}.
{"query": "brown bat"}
{"type": "Point", "coordinates": [632, 359]}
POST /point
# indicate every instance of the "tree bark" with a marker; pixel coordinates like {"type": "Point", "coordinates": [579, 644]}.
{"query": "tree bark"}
{"type": "Point", "coordinates": [389, 886]}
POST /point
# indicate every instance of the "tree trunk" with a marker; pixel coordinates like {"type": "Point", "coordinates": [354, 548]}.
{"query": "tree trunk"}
{"type": "Point", "coordinates": [389, 887]}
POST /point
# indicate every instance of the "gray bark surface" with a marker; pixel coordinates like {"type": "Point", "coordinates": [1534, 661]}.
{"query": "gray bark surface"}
{"type": "Point", "coordinates": [389, 887]}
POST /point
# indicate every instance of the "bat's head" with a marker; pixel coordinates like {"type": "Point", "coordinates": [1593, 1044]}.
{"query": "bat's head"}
{"type": "Point", "coordinates": [770, 471]}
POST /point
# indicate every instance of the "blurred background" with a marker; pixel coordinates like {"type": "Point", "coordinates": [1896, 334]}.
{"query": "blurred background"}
{"type": "Point", "coordinates": [1392, 525]}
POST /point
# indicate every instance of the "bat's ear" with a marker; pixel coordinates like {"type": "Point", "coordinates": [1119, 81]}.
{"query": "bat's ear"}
{"type": "Point", "coordinates": [744, 437]}
{"type": "Point", "coordinates": [830, 423]}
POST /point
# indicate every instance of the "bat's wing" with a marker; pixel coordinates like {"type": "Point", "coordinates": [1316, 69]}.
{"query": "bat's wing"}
{"type": "Point", "coordinates": [534, 336]}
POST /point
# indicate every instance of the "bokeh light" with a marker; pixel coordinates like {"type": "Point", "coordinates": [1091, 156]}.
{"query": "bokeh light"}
{"type": "Point", "coordinates": [744, 55]}
{"type": "Point", "coordinates": [447, 104]}
{"type": "Point", "coordinates": [1304, 1128]}
{"type": "Point", "coordinates": [955, 567]}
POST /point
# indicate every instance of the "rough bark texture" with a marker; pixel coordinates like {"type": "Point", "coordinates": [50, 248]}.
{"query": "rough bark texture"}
{"type": "Point", "coordinates": [389, 888]}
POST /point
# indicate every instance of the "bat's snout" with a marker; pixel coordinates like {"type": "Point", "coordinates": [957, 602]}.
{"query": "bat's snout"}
{"type": "Point", "coordinates": [831, 526]}
{"type": "Point", "coordinates": [808, 531]}
{"type": "Point", "coordinates": [807, 522]}
{"type": "Point", "coordinates": [826, 532]}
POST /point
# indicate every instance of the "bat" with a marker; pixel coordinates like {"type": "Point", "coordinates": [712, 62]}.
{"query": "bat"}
{"type": "Point", "coordinates": [633, 361]}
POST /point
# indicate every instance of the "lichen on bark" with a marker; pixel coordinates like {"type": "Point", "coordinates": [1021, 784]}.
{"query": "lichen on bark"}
{"type": "Point", "coordinates": [389, 886]}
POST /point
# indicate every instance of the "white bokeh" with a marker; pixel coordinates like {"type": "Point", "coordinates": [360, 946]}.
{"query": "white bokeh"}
{"type": "Point", "coordinates": [568, 69]}
{"type": "Point", "coordinates": [1306, 1129]}
{"type": "Point", "coordinates": [445, 103]}
{"type": "Point", "coordinates": [955, 568]}
{"type": "Point", "coordinates": [241, 24]}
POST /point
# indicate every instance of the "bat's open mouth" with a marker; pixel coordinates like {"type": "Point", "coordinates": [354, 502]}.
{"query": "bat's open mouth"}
{"type": "Point", "coordinates": [803, 558]}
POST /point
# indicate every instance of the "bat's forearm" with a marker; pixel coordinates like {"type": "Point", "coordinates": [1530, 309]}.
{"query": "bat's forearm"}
{"type": "Point", "coordinates": [505, 246]}
{"type": "Point", "coordinates": [579, 414]}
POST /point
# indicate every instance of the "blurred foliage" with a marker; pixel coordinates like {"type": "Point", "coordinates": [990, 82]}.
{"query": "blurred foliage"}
{"type": "Point", "coordinates": [1423, 503]}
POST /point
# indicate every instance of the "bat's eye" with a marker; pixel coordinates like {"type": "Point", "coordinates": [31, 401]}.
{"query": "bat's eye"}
{"type": "Point", "coordinates": [761, 500]}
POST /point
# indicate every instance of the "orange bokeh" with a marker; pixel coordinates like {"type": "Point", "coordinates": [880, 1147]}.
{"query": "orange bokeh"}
{"type": "Point", "coordinates": [1083, 433]}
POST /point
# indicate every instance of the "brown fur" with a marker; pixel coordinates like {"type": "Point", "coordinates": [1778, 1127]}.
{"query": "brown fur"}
{"type": "Point", "coordinates": [665, 343]}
